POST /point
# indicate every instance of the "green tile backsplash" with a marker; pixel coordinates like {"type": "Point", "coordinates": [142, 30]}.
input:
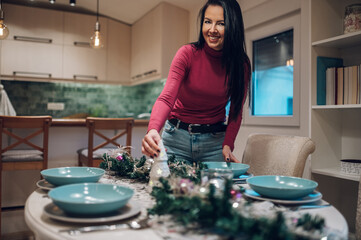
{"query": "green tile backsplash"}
{"type": "Point", "coordinates": [99, 100]}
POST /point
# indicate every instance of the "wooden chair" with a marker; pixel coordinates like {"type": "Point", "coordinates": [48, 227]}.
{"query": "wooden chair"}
{"type": "Point", "coordinates": [269, 154]}
{"type": "Point", "coordinates": [21, 153]}
{"type": "Point", "coordinates": [92, 156]}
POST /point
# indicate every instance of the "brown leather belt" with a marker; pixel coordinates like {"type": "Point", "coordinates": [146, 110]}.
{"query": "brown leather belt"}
{"type": "Point", "coordinates": [199, 128]}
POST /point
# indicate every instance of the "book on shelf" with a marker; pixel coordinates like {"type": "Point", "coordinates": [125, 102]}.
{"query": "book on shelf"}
{"type": "Point", "coordinates": [354, 81]}
{"type": "Point", "coordinates": [339, 86]}
{"type": "Point", "coordinates": [330, 86]}
{"type": "Point", "coordinates": [346, 81]}
{"type": "Point", "coordinates": [322, 64]}
{"type": "Point", "coordinates": [343, 85]}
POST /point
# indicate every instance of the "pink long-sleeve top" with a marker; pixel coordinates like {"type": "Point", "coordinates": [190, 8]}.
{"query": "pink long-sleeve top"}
{"type": "Point", "coordinates": [195, 92]}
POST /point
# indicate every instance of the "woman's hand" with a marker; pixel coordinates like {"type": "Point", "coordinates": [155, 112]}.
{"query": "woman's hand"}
{"type": "Point", "coordinates": [150, 143]}
{"type": "Point", "coordinates": [228, 155]}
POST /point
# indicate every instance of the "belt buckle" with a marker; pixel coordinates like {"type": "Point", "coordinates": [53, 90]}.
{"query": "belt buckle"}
{"type": "Point", "coordinates": [190, 128]}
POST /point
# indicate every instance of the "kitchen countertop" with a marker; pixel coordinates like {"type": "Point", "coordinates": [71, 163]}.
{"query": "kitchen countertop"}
{"type": "Point", "coordinates": [80, 122]}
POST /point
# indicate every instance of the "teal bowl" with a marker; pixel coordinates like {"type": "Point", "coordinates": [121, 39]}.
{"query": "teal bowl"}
{"type": "Point", "coordinates": [282, 187]}
{"type": "Point", "coordinates": [70, 175]}
{"type": "Point", "coordinates": [90, 198]}
{"type": "Point", "coordinates": [237, 168]}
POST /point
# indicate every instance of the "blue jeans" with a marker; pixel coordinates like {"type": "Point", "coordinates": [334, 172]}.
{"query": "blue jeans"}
{"type": "Point", "coordinates": [205, 147]}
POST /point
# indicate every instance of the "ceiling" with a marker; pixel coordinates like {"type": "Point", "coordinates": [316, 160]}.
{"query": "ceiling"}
{"type": "Point", "coordinates": [126, 11]}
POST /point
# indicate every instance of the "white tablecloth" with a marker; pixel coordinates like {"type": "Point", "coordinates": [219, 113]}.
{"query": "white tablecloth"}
{"type": "Point", "coordinates": [46, 228]}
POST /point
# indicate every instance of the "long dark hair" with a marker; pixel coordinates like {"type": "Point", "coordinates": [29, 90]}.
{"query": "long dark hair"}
{"type": "Point", "coordinates": [234, 56]}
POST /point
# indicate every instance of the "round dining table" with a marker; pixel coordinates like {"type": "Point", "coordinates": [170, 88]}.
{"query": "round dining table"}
{"type": "Point", "coordinates": [45, 227]}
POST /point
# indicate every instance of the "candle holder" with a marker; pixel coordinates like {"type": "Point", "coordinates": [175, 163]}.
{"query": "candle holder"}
{"type": "Point", "coordinates": [159, 168]}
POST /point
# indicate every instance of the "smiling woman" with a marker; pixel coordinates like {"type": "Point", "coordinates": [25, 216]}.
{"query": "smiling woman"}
{"type": "Point", "coordinates": [204, 77]}
{"type": "Point", "coordinates": [213, 27]}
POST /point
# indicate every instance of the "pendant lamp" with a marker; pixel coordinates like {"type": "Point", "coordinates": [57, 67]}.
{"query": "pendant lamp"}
{"type": "Point", "coordinates": [96, 40]}
{"type": "Point", "coordinates": [72, 3]}
{"type": "Point", "coordinates": [4, 31]}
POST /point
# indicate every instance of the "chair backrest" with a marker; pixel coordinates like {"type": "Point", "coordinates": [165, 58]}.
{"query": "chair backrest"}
{"type": "Point", "coordinates": [358, 214]}
{"type": "Point", "coordinates": [269, 154]}
{"type": "Point", "coordinates": [13, 158]}
{"type": "Point", "coordinates": [122, 127]}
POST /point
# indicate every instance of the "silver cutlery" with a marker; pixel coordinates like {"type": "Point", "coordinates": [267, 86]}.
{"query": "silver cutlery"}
{"type": "Point", "coordinates": [303, 207]}
{"type": "Point", "coordinates": [135, 225]}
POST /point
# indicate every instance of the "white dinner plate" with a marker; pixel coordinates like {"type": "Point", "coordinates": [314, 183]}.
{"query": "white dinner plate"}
{"type": "Point", "coordinates": [312, 197]}
{"type": "Point", "coordinates": [242, 177]}
{"type": "Point", "coordinates": [45, 185]}
{"type": "Point", "coordinates": [129, 210]}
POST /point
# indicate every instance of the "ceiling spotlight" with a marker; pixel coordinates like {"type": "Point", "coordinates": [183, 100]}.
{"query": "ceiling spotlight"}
{"type": "Point", "coordinates": [52, 1]}
{"type": "Point", "coordinates": [72, 2]}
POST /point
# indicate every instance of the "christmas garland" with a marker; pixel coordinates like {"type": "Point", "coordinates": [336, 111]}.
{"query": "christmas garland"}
{"type": "Point", "coordinates": [124, 165]}
{"type": "Point", "coordinates": [221, 211]}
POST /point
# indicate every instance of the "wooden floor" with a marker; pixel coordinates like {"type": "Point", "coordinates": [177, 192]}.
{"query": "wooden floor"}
{"type": "Point", "coordinates": [26, 235]}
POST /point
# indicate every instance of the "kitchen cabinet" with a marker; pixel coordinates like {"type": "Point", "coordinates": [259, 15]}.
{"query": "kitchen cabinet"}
{"type": "Point", "coordinates": [84, 63]}
{"type": "Point", "coordinates": [118, 52]}
{"type": "Point", "coordinates": [336, 129]}
{"type": "Point", "coordinates": [34, 46]}
{"type": "Point", "coordinates": [29, 59]}
{"type": "Point", "coordinates": [155, 39]}
{"type": "Point", "coordinates": [78, 28]}
{"type": "Point", "coordinates": [80, 61]}
{"type": "Point", "coordinates": [34, 24]}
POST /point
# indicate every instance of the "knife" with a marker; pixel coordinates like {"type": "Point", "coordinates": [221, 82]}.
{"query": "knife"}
{"type": "Point", "coordinates": [302, 207]}
{"type": "Point", "coordinates": [88, 229]}
{"type": "Point", "coordinates": [140, 224]}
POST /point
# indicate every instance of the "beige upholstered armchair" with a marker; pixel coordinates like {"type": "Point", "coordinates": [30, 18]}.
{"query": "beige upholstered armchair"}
{"type": "Point", "coordinates": [269, 154]}
{"type": "Point", "coordinates": [358, 213]}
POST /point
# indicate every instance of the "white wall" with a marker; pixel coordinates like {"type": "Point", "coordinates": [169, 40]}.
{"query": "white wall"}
{"type": "Point", "coordinates": [258, 17]}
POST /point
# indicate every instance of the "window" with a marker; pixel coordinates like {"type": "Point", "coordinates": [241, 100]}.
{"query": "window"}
{"type": "Point", "coordinates": [274, 95]}
{"type": "Point", "coordinates": [272, 83]}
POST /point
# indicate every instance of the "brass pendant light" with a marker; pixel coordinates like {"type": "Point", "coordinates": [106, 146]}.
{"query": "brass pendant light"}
{"type": "Point", "coordinates": [96, 40]}
{"type": "Point", "coordinates": [4, 31]}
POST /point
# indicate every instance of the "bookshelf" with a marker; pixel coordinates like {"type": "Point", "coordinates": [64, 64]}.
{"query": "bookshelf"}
{"type": "Point", "coordinates": [341, 41]}
{"type": "Point", "coordinates": [344, 106]}
{"type": "Point", "coordinates": [336, 129]}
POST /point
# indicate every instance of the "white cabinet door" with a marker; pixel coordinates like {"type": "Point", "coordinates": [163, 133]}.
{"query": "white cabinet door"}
{"type": "Point", "coordinates": [118, 52]}
{"type": "Point", "coordinates": [156, 37]}
{"type": "Point", "coordinates": [36, 24]}
{"type": "Point", "coordinates": [78, 28]}
{"type": "Point", "coordinates": [80, 61]}
{"type": "Point", "coordinates": [84, 63]}
{"type": "Point", "coordinates": [146, 45]}
{"type": "Point", "coordinates": [31, 59]}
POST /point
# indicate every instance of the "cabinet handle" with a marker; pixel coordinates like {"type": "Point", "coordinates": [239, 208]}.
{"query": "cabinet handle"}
{"type": "Point", "coordinates": [33, 39]}
{"type": "Point", "coordinates": [137, 76]}
{"type": "Point", "coordinates": [85, 77]}
{"type": "Point", "coordinates": [145, 74]}
{"type": "Point", "coordinates": [150, 72]}
{"type": "Point", "coordinates": [82, 44]}
{"type": "Point", "coordinates": [32, 73]}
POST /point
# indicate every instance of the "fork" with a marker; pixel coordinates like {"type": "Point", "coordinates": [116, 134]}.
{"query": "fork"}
{"type": "Point", "coordinates": [135, 225]}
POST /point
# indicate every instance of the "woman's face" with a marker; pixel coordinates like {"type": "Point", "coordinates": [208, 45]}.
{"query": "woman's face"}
{"type": "Point", "coordinates": [213, 27]}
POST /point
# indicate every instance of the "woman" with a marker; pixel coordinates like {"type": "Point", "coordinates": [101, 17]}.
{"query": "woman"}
{"type": "Point", "coordinates": [204, 76]}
